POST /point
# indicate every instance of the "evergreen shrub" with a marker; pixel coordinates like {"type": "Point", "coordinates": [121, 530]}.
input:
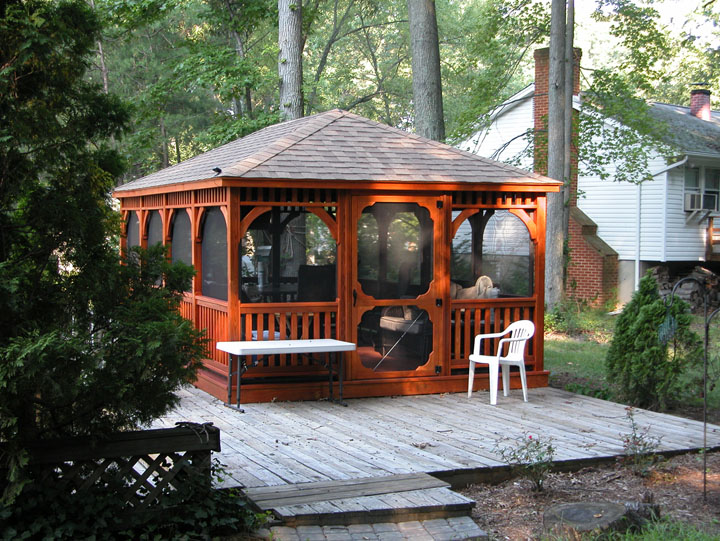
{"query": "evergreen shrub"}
{"type": "Point", "coordinates": [645, 369]}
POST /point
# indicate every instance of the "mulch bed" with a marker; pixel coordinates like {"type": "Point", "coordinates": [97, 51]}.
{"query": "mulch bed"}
{"type": "Point", "coordinates": [512, 511]}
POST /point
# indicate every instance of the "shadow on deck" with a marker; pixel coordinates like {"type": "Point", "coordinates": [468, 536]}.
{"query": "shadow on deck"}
{"type": "Point", "coordinates": [396, 459]}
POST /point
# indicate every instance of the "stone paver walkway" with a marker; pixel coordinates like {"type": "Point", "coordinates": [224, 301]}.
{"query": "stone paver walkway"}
{"type": "Point", "coordinates": [450, 529]}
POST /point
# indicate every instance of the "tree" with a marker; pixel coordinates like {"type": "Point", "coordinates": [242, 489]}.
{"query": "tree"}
{"type": "Point", "coordinates": [88, 345]}
{"type": "Point", "coordinates": [427, 82]}
{"type": "Point", "coordinates": [290, 66]}
{"type": "Point", "coordinates": [555, 232]}
{"type": "Point", "coordinates": [647, 371]}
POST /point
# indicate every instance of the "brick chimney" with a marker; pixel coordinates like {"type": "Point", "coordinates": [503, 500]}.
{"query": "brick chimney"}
{"type": "Point", "coordinates": [700, 103]}
{"type": "Point", "coordinates": [540, 113]}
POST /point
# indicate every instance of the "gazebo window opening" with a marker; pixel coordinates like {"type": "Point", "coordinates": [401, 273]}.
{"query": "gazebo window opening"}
{"type": "Point", "coordinates": [154, 229]}
{"type": "Point", "coordinates": [395, 250]}
{"type": "Point", "coordinates": [214, 255]}
{"type": "Point", "coordinates": [133, 230]}
{"type": "Point", "coordinates": [395, 338]}
{"type": "Point", "coordinates": [492, 255]}
{"type": "Point", "coordinates": [288, 255]}
{"type": "Point", "coordinates": [181, 238]}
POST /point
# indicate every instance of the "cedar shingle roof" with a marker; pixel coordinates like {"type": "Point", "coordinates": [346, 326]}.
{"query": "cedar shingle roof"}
{"type": "Point", "coordinates": [338, 146]}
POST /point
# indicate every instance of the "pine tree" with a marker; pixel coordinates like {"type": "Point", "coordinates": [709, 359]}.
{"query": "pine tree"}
{"type": "Point", "coordinates": [645, 369]}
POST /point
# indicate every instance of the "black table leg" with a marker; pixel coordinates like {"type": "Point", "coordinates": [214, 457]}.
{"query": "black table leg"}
{"type": "Point", "coordinates": [241, 367]}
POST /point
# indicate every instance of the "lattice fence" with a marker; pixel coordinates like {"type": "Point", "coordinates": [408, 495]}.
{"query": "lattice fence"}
{"type": "Point", "coordinates": [140, 466]}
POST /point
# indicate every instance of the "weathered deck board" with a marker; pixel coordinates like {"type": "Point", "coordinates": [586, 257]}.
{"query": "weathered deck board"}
{"type": "Point", "coordinates": [269, 498]}
{"type": "Point", "coordinates": [287, 443]}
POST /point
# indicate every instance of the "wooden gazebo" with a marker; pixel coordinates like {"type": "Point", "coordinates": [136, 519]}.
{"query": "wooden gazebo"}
{"type": "Point", "coordinates": [334, 226]}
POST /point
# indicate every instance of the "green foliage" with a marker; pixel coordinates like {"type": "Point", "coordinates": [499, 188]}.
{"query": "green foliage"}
{"type": "Point", "coordinates": [195, 511]}
{"type": "Point", "coordinates": [496, 64]}
{"type": "Point", "coordinates": [531, 458]}
{"type": "Point", "coordinates": [87, 344]}
{"type": "Point", "coordinates": [646, 370]}
{"type": "Point", "coordinates": [665, 529]}
{"type": "Point", "coordinates": [639, 447]}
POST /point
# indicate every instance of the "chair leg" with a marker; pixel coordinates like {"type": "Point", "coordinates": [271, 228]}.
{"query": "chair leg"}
{"type": "Point", "coordinates": [523, 380]}
{"type": "Point", "coordinates": [471, 377]}
{"type": "Point", "coordinates": [493, 369]}
{"type": "Point", "coordinates": [506, 379]}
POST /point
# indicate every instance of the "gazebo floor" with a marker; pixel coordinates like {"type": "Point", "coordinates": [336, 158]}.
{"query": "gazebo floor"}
{"type": "Point", "coordinates": [313, 462]}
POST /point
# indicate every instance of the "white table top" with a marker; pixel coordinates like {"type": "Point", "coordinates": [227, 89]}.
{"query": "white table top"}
{"type": "Point", "coordinates": [269, 347]}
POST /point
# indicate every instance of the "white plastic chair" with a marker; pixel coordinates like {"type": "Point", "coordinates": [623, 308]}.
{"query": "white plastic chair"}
{"type": "Point", "coordinates": [520, 332]}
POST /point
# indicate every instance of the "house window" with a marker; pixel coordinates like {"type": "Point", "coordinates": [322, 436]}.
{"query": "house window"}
{"type": "Point", "coordinates": [214, 255]}
{"type": "Point", "coordinates": [711, 199]}
{"type": "Point", "coordinates": [702, 188]}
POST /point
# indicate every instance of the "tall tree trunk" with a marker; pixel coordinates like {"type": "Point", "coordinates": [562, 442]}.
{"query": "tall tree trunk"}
{"type": "Point", "coordinates": [290, 58]}
{"type": "Point", "coordinates": [101, 58]}
{"type": "Point", "coordinates": [568, 113]}
{"type": "Point", "coordinates": [427, 85]}
{"type": "Point", "coordinates": [554, 264]}
{"type": "Point", "coordinates": [164, 147]}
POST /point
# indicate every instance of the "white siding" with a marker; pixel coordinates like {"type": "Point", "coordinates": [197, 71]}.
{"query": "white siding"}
{"type": "Point", "coordinates": [509, 126]}
{"type": "Point", "coordinates": [612, 206]}
{"type": "Point", "coordinates": [652, 216]}
{"type": "Point", "coordinates": [685, 241]}
{"type": "Point", "coordinates": [664, 233]}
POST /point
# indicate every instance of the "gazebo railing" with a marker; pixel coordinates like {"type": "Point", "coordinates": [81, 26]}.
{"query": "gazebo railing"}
{"type": "Point", "coordinates": [287, 321]}
{"type": "Point", "coordinates": [471, 317]}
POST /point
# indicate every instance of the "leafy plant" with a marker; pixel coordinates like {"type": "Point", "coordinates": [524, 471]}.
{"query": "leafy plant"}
{"type": "Point", "coordinates": [531, 457]}
{"type": "Point", "coordinates": [639, 446]}
{"type": "Point", "coordinates": [646, 369]}
{"type": "Point", "coordinates": [88, 344]}
{"type": "Point", "coordinates": [195, 511]}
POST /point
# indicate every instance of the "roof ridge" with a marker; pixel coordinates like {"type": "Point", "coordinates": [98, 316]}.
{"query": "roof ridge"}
{"type": "Point", "coordinates": [310, 126]}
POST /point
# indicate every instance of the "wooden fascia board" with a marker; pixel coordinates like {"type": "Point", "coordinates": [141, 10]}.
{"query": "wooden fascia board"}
{"type": "Point", "coordinates": [378, 186]}
{"type": "Point", "coordinates": [170, 188]}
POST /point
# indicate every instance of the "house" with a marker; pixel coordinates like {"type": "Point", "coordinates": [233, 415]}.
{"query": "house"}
{"type": "Point", "coordinates": [620, 229]}
{"type": "Point", "coordinates": [334, 226]}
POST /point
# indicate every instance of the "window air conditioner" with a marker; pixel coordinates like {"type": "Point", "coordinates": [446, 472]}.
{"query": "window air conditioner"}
{"type": "Point", "coordinates": [693, 201]}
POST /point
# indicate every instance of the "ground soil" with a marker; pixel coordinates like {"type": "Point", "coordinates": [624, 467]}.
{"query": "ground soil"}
{"type": "Point", "coordinates": [512, 511]}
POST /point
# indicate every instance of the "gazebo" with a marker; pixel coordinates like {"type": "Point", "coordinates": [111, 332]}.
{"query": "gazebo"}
{"type": "Point", "coordinates": [334, 226]}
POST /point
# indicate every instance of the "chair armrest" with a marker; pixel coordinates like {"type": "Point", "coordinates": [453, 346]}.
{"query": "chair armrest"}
{"type": "Point", "coordinates": [480, 337]}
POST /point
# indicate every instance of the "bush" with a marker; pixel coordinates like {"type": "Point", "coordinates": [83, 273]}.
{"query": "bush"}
{"type": "Point", "coordinates": [531, 458]}
{"type": "Point", "coordinates": [198, 511]}
{"type": "Point", "coordinates": [645, 369]}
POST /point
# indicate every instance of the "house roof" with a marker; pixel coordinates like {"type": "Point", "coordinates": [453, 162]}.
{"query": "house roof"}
{"type": "Point", "coordinates": [337, 146]}
{"type": "Point", "coordinates": [688, 133]}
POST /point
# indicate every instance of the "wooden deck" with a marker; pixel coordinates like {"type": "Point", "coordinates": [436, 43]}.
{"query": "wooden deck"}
{"type": "Point", "coordinates": [322, 446]}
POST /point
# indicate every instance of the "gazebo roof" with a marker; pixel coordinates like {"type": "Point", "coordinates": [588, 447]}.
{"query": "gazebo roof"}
{"type": "Point", "coordinates": [338, 146]}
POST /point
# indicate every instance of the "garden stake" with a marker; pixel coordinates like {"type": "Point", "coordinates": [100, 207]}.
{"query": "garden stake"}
{"type": "Point", "coordinates": [666, 331]}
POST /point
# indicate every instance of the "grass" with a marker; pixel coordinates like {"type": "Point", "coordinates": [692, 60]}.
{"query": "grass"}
{"type": "Point", "coordinates": [663, 530]}
{"type": "Point", "coordinates": [660, 530]}
{"type": "Point", "coordinates": [575, 349]}
{"type": "Point", "coordinates": [577, 340]}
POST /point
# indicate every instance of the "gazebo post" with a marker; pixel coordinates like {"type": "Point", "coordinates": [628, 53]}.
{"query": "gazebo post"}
{"type": "Point", "coordinates": [234, 237]}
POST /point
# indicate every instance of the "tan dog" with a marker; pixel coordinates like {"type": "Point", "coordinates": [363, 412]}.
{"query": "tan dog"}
{"type": "Point", "coordinates": [483, 289]}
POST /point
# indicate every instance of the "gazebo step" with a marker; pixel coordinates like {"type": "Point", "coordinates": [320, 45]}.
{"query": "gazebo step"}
{"type": "Point", "coordinates": [394, 498]}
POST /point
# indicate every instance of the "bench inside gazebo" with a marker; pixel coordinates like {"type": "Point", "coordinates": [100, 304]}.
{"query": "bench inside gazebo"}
{"type": "Point", "coordinates": [337, 227]}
